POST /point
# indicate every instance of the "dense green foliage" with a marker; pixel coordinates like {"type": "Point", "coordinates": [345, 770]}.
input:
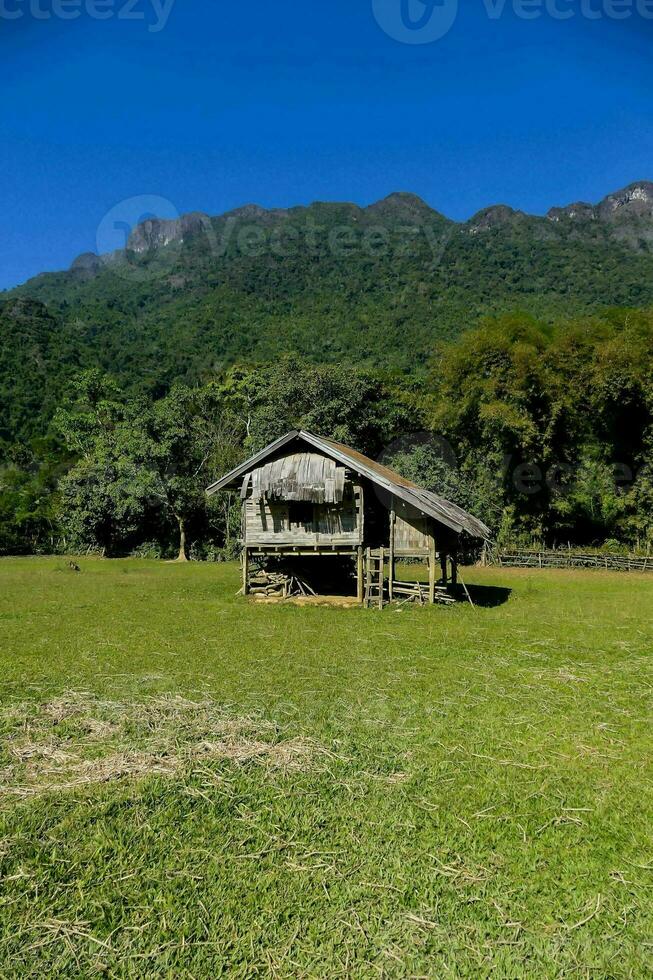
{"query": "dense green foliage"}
{"type": "Point", "coordinates": [544, 431]}
{"type": "Point", "coordinates": [193, 786]}
{"type": "Point", "coordinates": [138, 468]}
{"type": "Point", "coordinates": [560, 417]}
{"type": "Point", "coordinates": [369, 325]}
{"type": "Point", "coordinates": [378, 286]}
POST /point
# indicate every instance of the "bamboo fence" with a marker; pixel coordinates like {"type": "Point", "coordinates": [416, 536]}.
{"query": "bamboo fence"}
{"type": "Point", "coordinates": [515, 558]}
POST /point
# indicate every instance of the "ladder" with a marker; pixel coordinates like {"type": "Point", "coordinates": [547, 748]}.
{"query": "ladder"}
{"type": "Point", "coordinates": [375, 582]}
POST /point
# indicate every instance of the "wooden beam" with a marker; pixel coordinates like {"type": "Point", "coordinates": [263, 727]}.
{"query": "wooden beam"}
{"type": "Point", "coordinates": [360, 575]}
{"type": "Point", "coordinates": [256, 552]}
{"type": "Point", "coordinates": [454, 570]}
{"type": "Point", "coordinates": [245, 570]}
{"type": "Point", "coordinates": [381, 576]}
{"type": "Point", "coordinates": [368, 577]}
{"type": "Point", "coordinates": [393, 524]}
{"type": "Point", "coordinates": [432, 570]}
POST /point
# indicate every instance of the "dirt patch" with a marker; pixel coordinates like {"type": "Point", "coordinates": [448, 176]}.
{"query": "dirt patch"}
{"type": "Point", "coordinates": [334, 601]}
{"type": "Point", "coordinates": [80, 740]}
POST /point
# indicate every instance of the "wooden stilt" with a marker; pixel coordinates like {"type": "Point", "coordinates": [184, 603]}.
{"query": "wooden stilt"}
{"type": "Point", "coordinates": [368, 577]}
{"type": "Point", "coordinates": [381, 577]}
{"type": "Point", "coordinates": [245, 571]}
{"type": "Point", "coordinates": [432, 571]}
{"type": "Point", "coordinates": [454, 571]}
{"type": "Point", "coordinates": [360, 575]}
{"type": "Point", "coordinates": [391, 580]}
{"type": "Point", "coordinates": [443, 564]}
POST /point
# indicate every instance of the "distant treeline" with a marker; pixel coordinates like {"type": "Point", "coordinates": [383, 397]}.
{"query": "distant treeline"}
{"type": "Point", "coordinates": [544, 431]}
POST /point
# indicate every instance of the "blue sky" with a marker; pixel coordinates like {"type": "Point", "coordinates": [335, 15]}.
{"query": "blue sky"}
{"type": "Point", "coordinates": [287, 102]}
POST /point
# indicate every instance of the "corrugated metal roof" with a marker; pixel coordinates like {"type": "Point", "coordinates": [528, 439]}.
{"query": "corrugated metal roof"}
{"type": "Point", "coordinates": [425, 501]}
{"type": "Point", "coordinates": [379, 468]}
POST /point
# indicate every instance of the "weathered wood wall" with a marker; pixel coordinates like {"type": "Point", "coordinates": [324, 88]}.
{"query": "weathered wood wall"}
{"type": "Point", "coordinates": [304, 523]}
{"type": "Point", "coordinates": [413, 531]}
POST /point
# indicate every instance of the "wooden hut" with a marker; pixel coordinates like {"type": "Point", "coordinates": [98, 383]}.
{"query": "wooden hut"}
{"type": "Point", "coordinates": [305, 496]}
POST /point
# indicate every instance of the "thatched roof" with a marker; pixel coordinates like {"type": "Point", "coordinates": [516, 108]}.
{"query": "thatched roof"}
{"type": "Point", "coordinates": [273, 471]}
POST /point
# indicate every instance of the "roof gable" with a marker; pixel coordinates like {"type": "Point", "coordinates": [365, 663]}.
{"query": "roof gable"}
{"type": "Point", "coordinates": [428, 503]}
{"type": "Point", "coordinates": [300, 476]}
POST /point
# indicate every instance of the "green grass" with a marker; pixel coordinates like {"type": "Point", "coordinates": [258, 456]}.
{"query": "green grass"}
{"type": "Point", "coordinates": [193, 786]}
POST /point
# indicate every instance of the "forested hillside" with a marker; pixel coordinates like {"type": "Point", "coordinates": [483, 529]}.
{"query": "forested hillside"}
{"type": "Point", "coordinates": [516, 338]}
{"type": "Point", "coordinates": [377, 285]}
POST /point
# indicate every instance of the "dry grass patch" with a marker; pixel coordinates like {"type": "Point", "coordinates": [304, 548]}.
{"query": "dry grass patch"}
{"type": "Point", "coordinates": [78, 739]}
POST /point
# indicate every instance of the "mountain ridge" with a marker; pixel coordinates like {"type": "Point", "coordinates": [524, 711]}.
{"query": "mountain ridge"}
{"type": "Point", "coordinates": [379, 286]}
{"type": "Point", "coordinates": [633, 203]}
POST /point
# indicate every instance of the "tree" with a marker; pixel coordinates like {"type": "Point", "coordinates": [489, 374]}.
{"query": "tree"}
{"type": "Point", "coordinates": [337, 401]}
{"type": "Point", "coordinates": [27, 501]}
{"type": "Point", "coordinates": [570, 403]}
{"type": "Point", "coordinates": [112, 493]}
{"type": "Point", "coordinates": [142, 468]}
{"type": "Point", "coordinates": [93, 407]}
{"type": "Point", "coordinates": [192, 438]}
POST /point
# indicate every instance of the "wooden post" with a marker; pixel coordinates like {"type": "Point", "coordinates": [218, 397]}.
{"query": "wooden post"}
{"type": "Point", "coordinates": [360, 496]}
{"type": "Point", "coordinates": [360, 575]}
{"type": "Point", "coordinates": [454, 570]}
{"type": "Point", "coordinates": [443, 562]}
{"type": "Point", "coordinates": [391, 581]}
{"type": "Point", "coordinates": [432, 566]}
{"type": "Point", "coordinates": [368, 577]}
{"type": "Point", "coordinates": [245, 571]}
{"type": "Point", "coordinates": [381, 576]}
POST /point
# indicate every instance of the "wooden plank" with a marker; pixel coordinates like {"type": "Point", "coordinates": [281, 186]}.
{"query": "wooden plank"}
{"type": "Point", "coordinates": [368, 577]}
{"type": "Point", "coordinates": [432, 571]}
{"type": "Point", "coordinates": [245, 571]}
{"type": "Point", "coordinates": [411, 552]}
{"type": "Point", "coordinates": [393, 527]}
{"type": "Point", "coordinates": [420, 590]}
{"type": "Point", "coordinates": [267, 522]}
{"type": "Point", "coordinates": [381, 576]}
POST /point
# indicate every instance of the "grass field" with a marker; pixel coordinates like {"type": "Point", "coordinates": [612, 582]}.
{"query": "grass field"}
{"type": "Point", "coordinates": [193, 786]}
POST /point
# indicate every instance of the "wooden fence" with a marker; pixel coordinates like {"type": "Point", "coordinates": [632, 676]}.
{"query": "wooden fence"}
{"type": "Point", "coordinates": [569, 559]}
